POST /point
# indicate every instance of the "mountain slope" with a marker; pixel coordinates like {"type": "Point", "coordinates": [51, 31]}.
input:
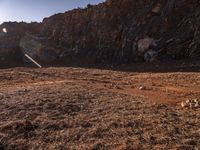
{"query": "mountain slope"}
{"type": "Point", "coordinates": [122, 31]}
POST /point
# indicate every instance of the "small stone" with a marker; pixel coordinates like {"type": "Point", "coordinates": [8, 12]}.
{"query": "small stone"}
{"type": "Point", "coordinates": [187, 101]}
{"type": "Point", "coordinates": [142, 88]}
{"type": "Point", "coordinates": [183, 104]}
{"type": "Point", "coordinates": [196, 105]}
{"type": "Point", "coordinates": [191, 106]}
{"type": "Point", "coordinates": [195, 100]}
{"type": "Point", "coordinates": [157, 8]}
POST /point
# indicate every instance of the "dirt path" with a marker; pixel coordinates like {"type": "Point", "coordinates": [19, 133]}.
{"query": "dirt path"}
{"type": "Point", "coordinates": [74, 108]}
{"type": "Point", "coordinates": [163, 88]}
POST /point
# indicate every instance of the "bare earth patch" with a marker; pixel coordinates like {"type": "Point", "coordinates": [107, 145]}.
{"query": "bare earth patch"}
{"type": "Point", "coordinates": [74, 108]}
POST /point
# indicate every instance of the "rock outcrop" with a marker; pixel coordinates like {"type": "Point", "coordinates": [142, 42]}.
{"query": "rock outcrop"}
{"type": "Point", "coordinates": [116, 32]}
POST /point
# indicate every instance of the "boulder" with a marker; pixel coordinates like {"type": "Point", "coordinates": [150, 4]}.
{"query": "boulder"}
{"type": "Point", "coordinates": [145, 44]}
{"type": "Point", "coordinates": [150, 56]}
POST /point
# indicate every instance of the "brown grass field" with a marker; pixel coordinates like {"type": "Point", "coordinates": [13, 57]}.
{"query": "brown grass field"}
{"type": "Point", "coordinates": [79, 108]}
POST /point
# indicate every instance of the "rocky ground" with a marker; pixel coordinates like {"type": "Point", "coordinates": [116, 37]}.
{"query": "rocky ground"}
{"type": "Point", "coordinates": [85, 108]}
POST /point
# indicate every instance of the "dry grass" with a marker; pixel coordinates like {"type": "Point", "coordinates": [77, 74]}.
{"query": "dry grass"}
{"type": "Point", "coordinates": [69, 108]}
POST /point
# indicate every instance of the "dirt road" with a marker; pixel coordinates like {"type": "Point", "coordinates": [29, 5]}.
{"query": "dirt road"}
{"type": "Point", "coordinates": [77, 108]}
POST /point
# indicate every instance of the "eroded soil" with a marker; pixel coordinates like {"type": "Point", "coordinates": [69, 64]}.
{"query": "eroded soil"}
{"type": "Point", "coordinates": [77, 108]}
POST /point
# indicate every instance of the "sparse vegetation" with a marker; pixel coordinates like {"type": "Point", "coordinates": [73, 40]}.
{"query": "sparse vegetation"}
{"type": "Point", "coordinates": [74, 108]}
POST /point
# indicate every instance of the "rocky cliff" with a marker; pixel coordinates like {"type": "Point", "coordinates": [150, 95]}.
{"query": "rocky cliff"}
{"type": "Point", "coordinates": [116, 32]}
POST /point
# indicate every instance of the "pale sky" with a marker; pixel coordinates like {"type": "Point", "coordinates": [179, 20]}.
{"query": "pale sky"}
{"type": "Point", "coordinates": [36, 10]}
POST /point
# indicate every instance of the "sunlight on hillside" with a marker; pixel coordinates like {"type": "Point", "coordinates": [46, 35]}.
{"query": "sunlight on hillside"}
{"type": "Point", "coordinates": [4, 30]}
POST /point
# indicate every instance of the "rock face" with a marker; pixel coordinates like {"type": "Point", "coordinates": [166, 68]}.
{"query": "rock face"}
{"type": "Point", "coordinates": [117, 32]}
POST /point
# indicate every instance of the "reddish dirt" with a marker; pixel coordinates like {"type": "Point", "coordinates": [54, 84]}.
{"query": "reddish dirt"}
{"type": "Point", "coordinates": [79, 108]}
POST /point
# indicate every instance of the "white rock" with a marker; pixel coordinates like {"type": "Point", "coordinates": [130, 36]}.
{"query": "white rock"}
{"type": "Point", "coordinates": [145, 44]}
{"type": "Point", "coordinates": [187, 101]}
{"type": "Point", "coordinates": [142, 88]}
{"type": "Point", "coordinates": [157, 8]}
{"type": "Point", "coordinates": [196, 105]}
{"type": "Point", "coordinates": [183, 104]}
{"type": "Point", "coordinates": [195, 100]}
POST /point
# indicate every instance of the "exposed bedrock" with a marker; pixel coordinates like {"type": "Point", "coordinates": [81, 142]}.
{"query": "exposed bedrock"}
{"type": "Point", "coordinates": [115, 32]}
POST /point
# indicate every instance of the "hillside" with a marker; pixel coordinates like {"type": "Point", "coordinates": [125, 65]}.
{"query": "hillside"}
{"type": "Point", "coordinates": [116, 32]}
